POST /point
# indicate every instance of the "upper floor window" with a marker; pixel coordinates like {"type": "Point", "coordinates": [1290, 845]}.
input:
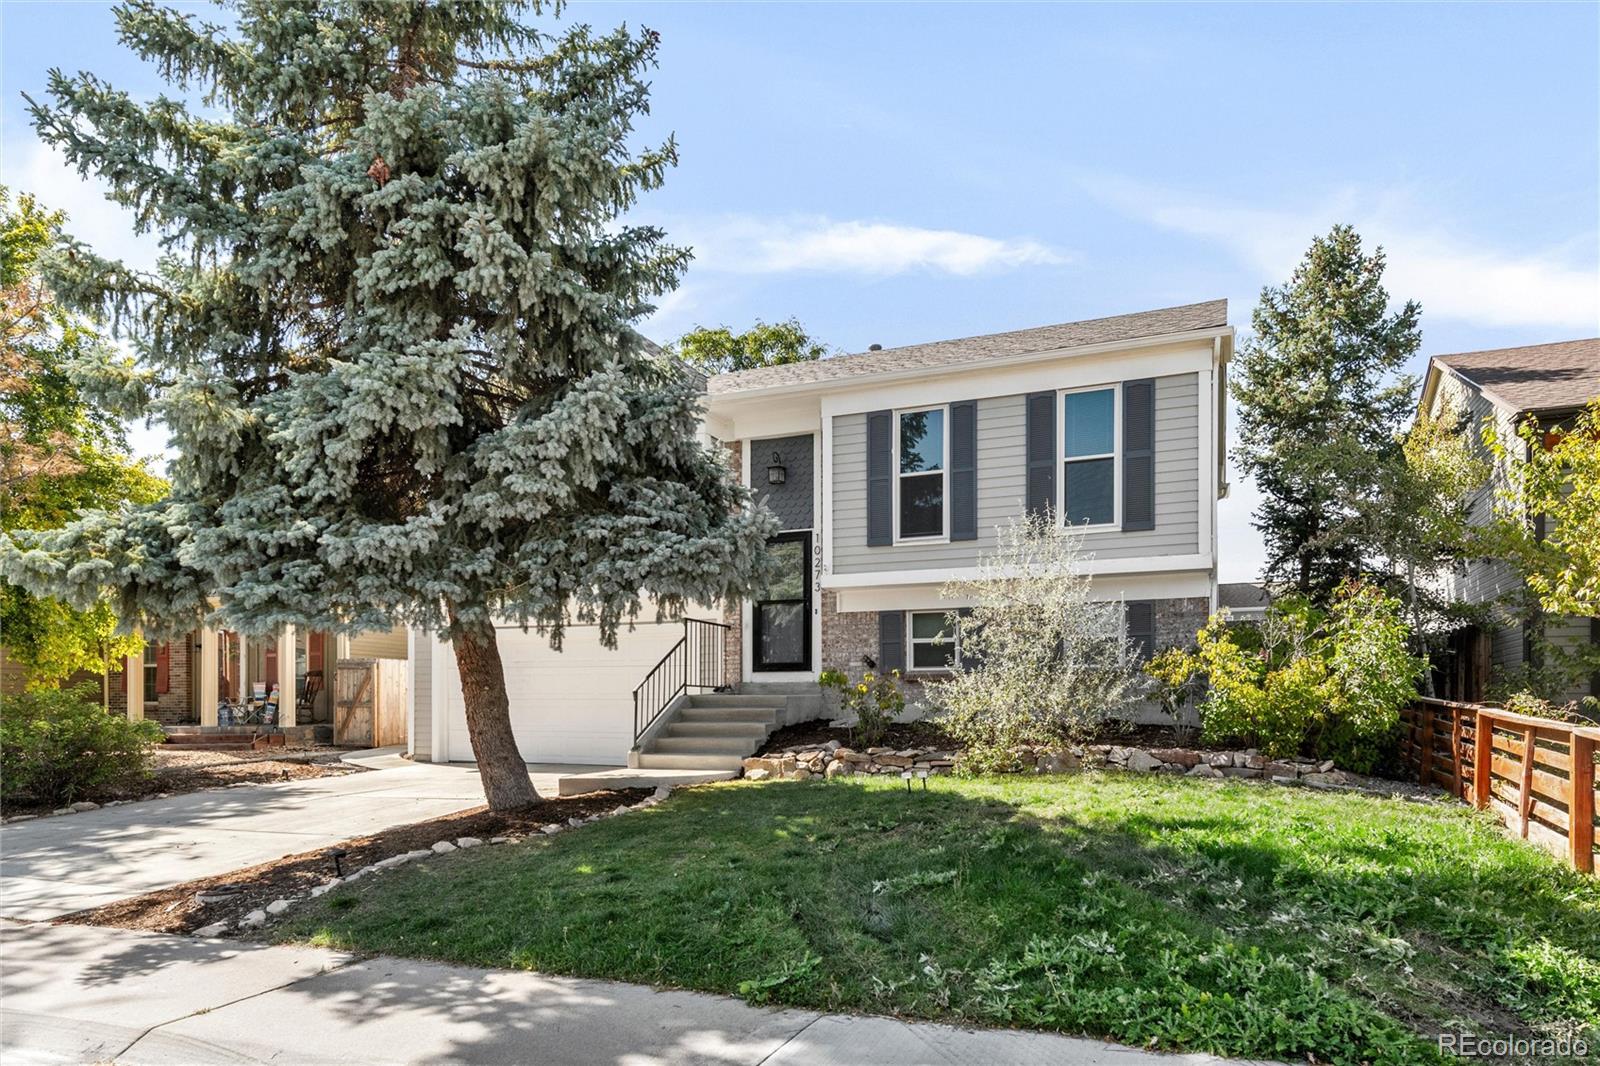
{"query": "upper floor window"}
{"type": "Point", "coordinates": [920, 480]}
{"type": "Point", "coordinates": [1089, 467]}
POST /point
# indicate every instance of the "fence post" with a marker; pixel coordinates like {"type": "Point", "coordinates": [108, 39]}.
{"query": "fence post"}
{"type": "Point", "coordinates": [1425, 759]}
{"type": "Point", "coordinates": [1580, 808]}
{"type": "Point", "coordinates": [1482, 752]}
{"type": "Point", "coordinates": [1525, 795]}
{"type": "Point", "coordinates": [1457, 786]}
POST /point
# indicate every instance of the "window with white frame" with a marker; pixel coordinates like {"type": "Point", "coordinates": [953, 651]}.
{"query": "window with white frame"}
{"type": "Point", "coordinates": [933, 641]}
{"type": "Point", "coordinates": [1089, 450]}
{"type": "Point", "coordinates": [920, 477]}
{"type": "Point", "coordinates": [149, 671]}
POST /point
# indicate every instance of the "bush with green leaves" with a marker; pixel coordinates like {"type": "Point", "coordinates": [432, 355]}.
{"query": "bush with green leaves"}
{"type": "Point", "coordinates": [874, 702]}
{"type": "Point", "coordinates": [60, 745]}
{"type": "Point", "coordinates": [1306, 680]}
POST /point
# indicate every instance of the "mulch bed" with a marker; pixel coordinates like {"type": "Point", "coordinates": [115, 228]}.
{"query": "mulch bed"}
{"type": "Point", "coordinates": [175, 909]}
{"type": "Point", "coordinates": [927, 734]}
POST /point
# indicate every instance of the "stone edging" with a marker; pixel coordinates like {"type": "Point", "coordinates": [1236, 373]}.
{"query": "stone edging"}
{"type": "Point", "coordinates": [835, 760]}
{"type": "Point", "coordinates": [257, 918]}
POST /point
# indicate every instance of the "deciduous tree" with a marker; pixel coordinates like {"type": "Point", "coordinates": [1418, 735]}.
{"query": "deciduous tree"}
{"type": "Point", "coordinates": [720, 350]}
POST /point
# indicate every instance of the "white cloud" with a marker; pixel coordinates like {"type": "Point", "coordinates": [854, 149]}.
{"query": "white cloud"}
{"type": "Point", "coordinates": [748, 245]}
{"type": "Point", "coordinates": [33, 167]}
{"type": "Point", "coordinates": [1557, 289]}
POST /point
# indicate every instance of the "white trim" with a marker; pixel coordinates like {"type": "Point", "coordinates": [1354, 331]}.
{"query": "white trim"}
{"type": "Point", "coordinates": [1113, 351]}
{"type": "Point", "coordinates": [1189, 584]}
{"type": "Point", "coordinates": [1115, 387]}
{"type": "Point", "coordinates": [944, 473]}
{"type": "Point", "coordinates": [1147, 564]}
{"type": "Point", "coordinates": [439, 707]}
{"type": "Point", "coordinates": [824, 517]}
{"type": "Point", "coordinates": [1205, 536]}
{"type": "Point", "coordinates": [411, 689]}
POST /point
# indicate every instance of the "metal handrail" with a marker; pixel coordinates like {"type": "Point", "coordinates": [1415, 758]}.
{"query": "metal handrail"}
{"type": "Point", "coordinates": [695, 661]}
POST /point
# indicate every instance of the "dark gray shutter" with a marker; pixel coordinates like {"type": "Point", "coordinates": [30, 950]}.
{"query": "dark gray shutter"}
{"type": "Point", "coordinates": [1140, 625]}
{"type": "Point", "coordinates": [1139, 454]}
{"type": "Point", "coordinates": [880, 479]}
{"type": "Point", "coordinates": [1041, 439]}
{"type": "Point", "coordinates": [964, 470]}
{"type": "Point", "coordinates": [891, 641]}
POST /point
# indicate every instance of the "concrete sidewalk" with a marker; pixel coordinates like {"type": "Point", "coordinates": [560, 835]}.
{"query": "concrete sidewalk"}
{"type": "Point", "coordinates": [81, 994]}
{"type": "Point", "coordinates": [54, 866]}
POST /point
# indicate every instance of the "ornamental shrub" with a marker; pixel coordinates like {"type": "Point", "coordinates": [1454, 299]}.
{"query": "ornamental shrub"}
{"type": "Point", "coordinates": [1306, 680]}
{"type": "Point", "coordinates": [60, 745]}
{"type": "Point", "coordinates": [875, 702]}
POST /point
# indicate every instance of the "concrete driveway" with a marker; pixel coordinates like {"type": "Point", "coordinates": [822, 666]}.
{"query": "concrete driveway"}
{"type": "Point", "coordinates": [54, 866]}
{"type": "Point", "coordinates": [73, 994]}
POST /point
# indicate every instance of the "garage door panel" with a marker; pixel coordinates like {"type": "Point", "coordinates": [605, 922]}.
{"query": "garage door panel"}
{"type": "Point", "coordinates": [575, 705]}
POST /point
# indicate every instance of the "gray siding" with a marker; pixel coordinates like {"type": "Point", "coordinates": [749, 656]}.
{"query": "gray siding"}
{"type": "Point", "coordinates": [421, 731]}
{"type": "Point", "coordinates": [791, 501]}
{"type": "Point", "coordinates": [1002, 468]}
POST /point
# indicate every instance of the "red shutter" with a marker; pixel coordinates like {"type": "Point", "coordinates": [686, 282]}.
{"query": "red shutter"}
{"type": "Point", "coordinates": [164, 668]}
{"type": "Point", "coordinates": [271, 667]}
{"type": "Point", "coordinates": [314, 652]}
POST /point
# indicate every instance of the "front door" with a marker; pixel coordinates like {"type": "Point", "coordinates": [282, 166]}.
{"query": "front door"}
{"type": "Point", "coordinates": [782, 609]}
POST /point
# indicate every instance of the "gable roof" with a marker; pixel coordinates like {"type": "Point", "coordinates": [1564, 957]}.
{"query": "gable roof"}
{"type": "Point", "coordinates": [1243, 595]}
{"type": "Point", "coordinates": [1538, 377]}
{"type": "Point", "coordinates": [1213, 314]}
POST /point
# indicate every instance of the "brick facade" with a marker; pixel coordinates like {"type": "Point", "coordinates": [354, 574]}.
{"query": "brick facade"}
{"type": "Point", "coordinates": [175, 705]}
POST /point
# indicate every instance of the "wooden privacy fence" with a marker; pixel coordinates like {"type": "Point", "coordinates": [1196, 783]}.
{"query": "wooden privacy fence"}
{"type": "Point", "coordinates": [369, 702]}
{"type": "Point", "coordinates": [1538, 775]}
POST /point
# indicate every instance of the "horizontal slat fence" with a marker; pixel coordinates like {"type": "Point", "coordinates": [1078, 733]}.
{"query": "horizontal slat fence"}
{"type": "Point", "coordinates": [1538, 775]}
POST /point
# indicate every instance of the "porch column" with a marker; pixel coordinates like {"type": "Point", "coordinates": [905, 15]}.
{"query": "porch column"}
{"type": "Point", "coordinates": [210, 667]}
{"type": "Point", "coordinates": [286, 693]}
{"type": "Point", "coordinates": [133, 676]}
{"type": "Point", "coordinates": [244, 667]}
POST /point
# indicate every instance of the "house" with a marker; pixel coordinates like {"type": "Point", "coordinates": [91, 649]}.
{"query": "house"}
{"type": "Point", "coordinates": [890, 471]}
{"type": "Point", "coordinates": [1246, 601]}
{"type": "Point", "coordinates": [1503, 388]}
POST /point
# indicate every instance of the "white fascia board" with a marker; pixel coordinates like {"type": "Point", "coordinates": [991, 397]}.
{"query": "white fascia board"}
{"type": "Point", "coordinates": [1094, 567]}
{"type": "Point", "coordinates": [1004, 379]}
{"type": "Point", "coordinates": [1115, 352]}
{"type": "Point", "coordinates": [908, 596]}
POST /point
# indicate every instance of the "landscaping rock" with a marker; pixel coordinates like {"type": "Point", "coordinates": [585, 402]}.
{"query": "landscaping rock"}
{"type": "Point", "coordinates": [574, 821]}
{"type": "Point", "coordinates": [214, 929]}
{"type": "Point", "coordinates": [469, 842]}
{"type": "Point", "coordinates": [838, 768]}
{"type": "Point", "coordinates": [253, 920]}
{"type": "Point", "coordinates": [277, 906]}
{"type": "Point", "coordinates": [801, 774]}
{"type": "Point", "coordinates": [443, 847]}
{"type": "Point", "coordinates": [1218, 758]}
{"type": "Point", "coordinates": [1325, 766]}
{"type": "Point", "coordinates": [1239, 771]}
{"type": "Point", "coordinates": [1333, 779]}
{"type": "Point", "coordinates": [63, 810]}
{"type": "Point", "coordinates": [499, 840]}
{"type": "Point", "coordinates": [392, 861]}
{"type": "Point", "coordinates": [1204, 770]}
{"type": "Point", "coordinates": [552, 829]}
{"type": "Point", "coordinates": [1282, 769]}
{"type": "Point", "coordinates": [326, 887]}
{"type": "Point", "coordinates": [84, 805]}
{"type": "Point", "coordinates": [1142, 761]}
{"type": "Point", "coordinates": [1055, 762]}
{"type": "Point", "coordinates": [420, 853]}
{"type": "Point", "coordinates": [663, 791]}
{"type": "Point", "coordinates": [757, 774]}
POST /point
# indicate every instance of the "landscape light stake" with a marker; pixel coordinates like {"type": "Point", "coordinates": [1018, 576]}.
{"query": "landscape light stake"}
{"type": "Point", "coordinates": [338, 853]}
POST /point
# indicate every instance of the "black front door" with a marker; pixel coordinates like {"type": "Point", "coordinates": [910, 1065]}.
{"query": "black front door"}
{"type": "Point", "coordinates": [783, 608]}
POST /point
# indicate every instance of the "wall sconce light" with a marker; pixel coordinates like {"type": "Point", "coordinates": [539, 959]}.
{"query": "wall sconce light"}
{"type": "Point", "coordinates": [776, 474]}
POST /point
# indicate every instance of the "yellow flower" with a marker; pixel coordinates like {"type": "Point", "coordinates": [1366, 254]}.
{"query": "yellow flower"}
{"type": "Point", "coordinates": [861, 688]}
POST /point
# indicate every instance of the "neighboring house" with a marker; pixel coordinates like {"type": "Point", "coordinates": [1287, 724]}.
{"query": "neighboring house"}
{"type": "Point", "coordinates": [1504, 387]}
{"type": "Point", "coordinates": [890, 472]}
{"type": "Point", "coordinates": [168, 685]}
{"type": "Point", "coordinates": [1246, 601]}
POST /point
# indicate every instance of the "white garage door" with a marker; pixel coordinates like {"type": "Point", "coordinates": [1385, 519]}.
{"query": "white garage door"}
{"type": "Point", "coordinates": [573, 706]}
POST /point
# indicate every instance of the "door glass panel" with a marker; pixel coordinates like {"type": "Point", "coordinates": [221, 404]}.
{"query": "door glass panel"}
{"type": "Point", "coordinates": [782, 629]}
{"type": "Point", "coordinates": [786, 580]}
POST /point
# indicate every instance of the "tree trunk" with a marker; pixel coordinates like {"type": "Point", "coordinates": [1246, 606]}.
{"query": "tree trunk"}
{"type": "Point", "coordinates": [483, 686]}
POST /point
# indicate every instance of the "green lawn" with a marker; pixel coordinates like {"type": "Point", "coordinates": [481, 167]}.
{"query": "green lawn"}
{"type": "Point", "coordinates": [1233, 918]}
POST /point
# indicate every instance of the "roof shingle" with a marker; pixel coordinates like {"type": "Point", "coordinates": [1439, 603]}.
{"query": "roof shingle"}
{"type": "Point", "coordinates": [1539, 377]}
{"type": "Point", "coordinates": [1209, 315]}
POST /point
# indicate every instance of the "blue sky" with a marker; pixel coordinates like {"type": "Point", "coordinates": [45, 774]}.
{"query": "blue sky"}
{"type": "Point", "coordinates": [899, 173]}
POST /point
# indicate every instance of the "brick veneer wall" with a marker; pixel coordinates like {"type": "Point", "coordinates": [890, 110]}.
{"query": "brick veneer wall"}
{"type": "Point", "coordinates": [174, 706]}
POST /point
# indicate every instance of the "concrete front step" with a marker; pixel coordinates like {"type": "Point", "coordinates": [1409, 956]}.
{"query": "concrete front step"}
{"type": "Point", "coordinates": [736, 699]}
{"type": "Point", "coordinates": [763, 715]}
{"type": "Point", "coordinates": [718, 729]}
{"type": "Point", "coordinates": [705, 745]}
{"type": "Point", "coordinates": [660, 760]}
